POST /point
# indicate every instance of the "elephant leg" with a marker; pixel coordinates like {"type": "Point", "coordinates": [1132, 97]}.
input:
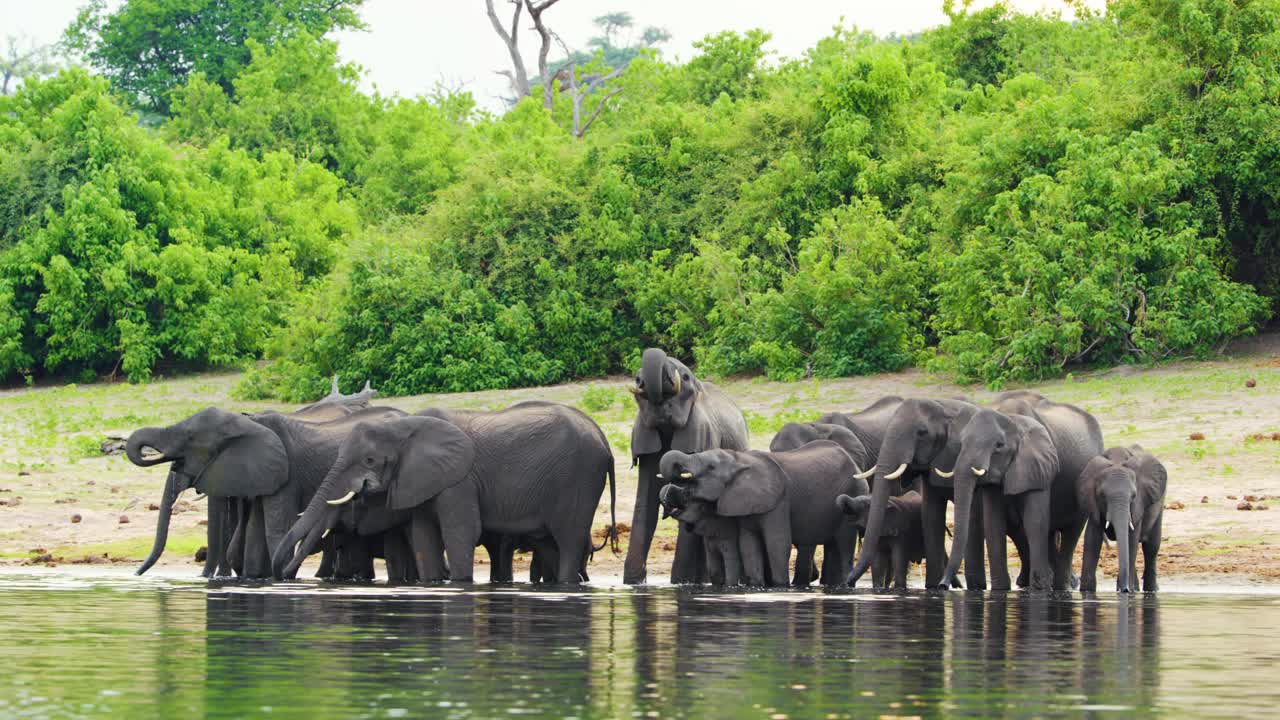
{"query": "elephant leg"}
{"type": "Point", "coordinates": [1089, 559]}
{"type": "Point", "coordinates": [690, 562]}
{"type": "Point", "coordinates": [428, 546]}
{"type": "Point", "coordinates": [1150, 550]}
{"type": "Point", "coordinates": [278, 514]}
{"type": "Point", "coordinates": [993, 522]}
{"type": "Point", "coordinates": [715, 561]}
{"type": "Point", "coordinates": [804, 566]}
{"type": "Point", "coordinates": [751, 548]}
{"type": "Point", "coordinates": [934, 523]}
{"type": "Point", "coordinates": [1035, 519]}
{"type": "Point", "coordinates": [881, 564]}
{"type": "Point", "coordinates": [235, 550]}
{"type": "Point", "coordinates": [1019, 536]}
{"type": "Point", "coordinates": [776, 532]}
{"type": "Point", "coordinates": [257, 559]}
{"type": "Point", "coordinates": [355, 562]}
{"type": "Point", "coordinates": [975, 566]}
{"type": "Point", "coordinates": [215, 544]}
{"type": "Point", "coordinates": [500, 549]}
{"type": "Point", "coordinates": [732, 561]}
{"type": "Point", "coordinates": [1065, 553]}
{"type": "Point", "coordinates": [644, 520]}
{"type": "Point", "coordinates": [899, 560]}
{"type": "Point", "coordinates": [395, 552]}
{"type": "Point", "coordinates": [328, 559]}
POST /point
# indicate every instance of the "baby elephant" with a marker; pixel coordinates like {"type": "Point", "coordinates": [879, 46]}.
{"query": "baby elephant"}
{"type": "Point", "coordinates": [719, 533]}
{"type": "Point", "coordinates": [903, 528]}
{"type": "Point", "coordinates": [777, 499]}
{"type": "Point", "coordinates": [1122, 492]}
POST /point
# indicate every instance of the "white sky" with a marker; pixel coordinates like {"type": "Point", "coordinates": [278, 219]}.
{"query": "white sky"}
{"type": "Point", "coordinates": [413, 44]}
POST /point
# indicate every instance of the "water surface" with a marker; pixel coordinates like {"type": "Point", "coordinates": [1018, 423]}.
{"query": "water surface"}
{"type": "Point", "coordinates": [79, 645]}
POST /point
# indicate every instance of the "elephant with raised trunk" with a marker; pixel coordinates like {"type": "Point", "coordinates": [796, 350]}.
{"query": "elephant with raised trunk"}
{"type": "Point", "coordinates": [1026, 456]}
{"type": "Point", "coordinates": [920, 443]}
{"type": "Point", "coordinates": [779, 500]}
{"type": "Point", "coordinates": [534, 469]}
{"type": "Point", "coordinates": [272, 461]}
{"type": "Point", "coordinates": [675, 411]}
{"type": "Point", "coordinates": [1122, 492]}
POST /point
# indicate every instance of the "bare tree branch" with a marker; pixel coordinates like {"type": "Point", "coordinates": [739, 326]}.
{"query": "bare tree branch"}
{"type": "Point", "coordinates": [603, 102]}
{"type": "Point", "coordinates": [519, 77]}
{"type": "Point", "coordinates": [535, 12]}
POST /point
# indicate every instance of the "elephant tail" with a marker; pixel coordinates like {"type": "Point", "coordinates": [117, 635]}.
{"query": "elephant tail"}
{"type": "Point", "coordinates": [611, 535]}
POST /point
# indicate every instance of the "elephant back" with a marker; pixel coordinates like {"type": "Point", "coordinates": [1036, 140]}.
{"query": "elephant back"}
{"type": "Point", "coordinates": [868, 424]}
{"type": "Point", "coordinates": [716, 422]}
{"type": "Point", "coordinates": [1075, 432]}
{"type": "Point", "coordinates": [818, 473]}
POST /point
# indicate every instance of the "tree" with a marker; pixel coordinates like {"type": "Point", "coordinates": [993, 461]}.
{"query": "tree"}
{"type": "Point", "coordinates": [147, 49]}
{"type": "Point", "coordinates": [22, 58]}
{"type": "Point", "coordinates": [518, 75]}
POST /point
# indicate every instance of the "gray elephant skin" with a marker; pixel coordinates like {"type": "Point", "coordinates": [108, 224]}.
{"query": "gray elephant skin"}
{"type": "Point", "coordinates": [271, 462]}
{"type": "Point", "coordinates": [779, 499]}
{"type": "Point", "coordinates": [534, 469]}
{"type": "Point", "coordinates": [921, 440]}
{"type": "Point", "coordinates": [674, 411]}
{"type": "Point", "coordinates": [1122, 492]}
{"type": "Point", "coordinates": [719, 534]}
{"type": "Point", "coordinates": [901, 535]}
{"type": "Point", "coordinates": [1026, 454]}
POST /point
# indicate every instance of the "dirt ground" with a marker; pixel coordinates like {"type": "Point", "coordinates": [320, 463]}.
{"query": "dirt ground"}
{"type": "Point", "coordinates": [1215, 425]}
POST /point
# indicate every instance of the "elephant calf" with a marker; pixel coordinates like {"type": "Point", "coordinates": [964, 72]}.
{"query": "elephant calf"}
{"type": "Point", "coordinates": [719, 534]}
{"type": "Point", "coordinates": [903, 525]}
{"type": "Point", "coordinates": [1122, 492]}
{"type": "Point", "coordinates": [778, 499]}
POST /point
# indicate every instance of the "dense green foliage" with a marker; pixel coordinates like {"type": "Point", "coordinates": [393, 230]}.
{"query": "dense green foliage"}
{"type": "Point", "coordinates": [149, 48]}
{"type": "Point", "coordinates": [998, 198]}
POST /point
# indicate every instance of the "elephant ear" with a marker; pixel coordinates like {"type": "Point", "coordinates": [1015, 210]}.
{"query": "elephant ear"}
{"type": "Point", "coordinates": [251, 462]}
{"type": "Point", "coordinates": [1036, 462]}
{"type": "Point", "coordinates": [434, 456]}
{"type": "Point", "coordinates": [756, 488]}
{"type": "Point", "coordinates": [1087, 487]}
{"type": "Point", "coordinates": [644, 439]}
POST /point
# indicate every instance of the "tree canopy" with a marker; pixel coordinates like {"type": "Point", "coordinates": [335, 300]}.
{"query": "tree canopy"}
{"type": "Point", "coordinates": [1000, 198]}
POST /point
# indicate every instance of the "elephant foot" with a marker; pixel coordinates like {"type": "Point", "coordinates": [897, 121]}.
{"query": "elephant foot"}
{"type": "Point", "coordinates": [1150, 585]}
{"type": "Point", "coordinates": [633, 577]}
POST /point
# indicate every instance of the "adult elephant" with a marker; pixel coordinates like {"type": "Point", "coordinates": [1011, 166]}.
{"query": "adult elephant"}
{"type": "Point", "coordinates": [1122, 492]}
{"type": "Point", "coordinates": [534, 469]}
{"type": "Point", "coordinates": [272, 460]}
{"type": "Point", "coordinates": [868, 424]}
{"type": "Point", "coordinates": [778, 499]}
{"type": "Point", "coordinates": [1026, 453]}
{"type": "Point", "coordinates": [920, 443]}
{"type": "Point", "coordinates": [675, 411]}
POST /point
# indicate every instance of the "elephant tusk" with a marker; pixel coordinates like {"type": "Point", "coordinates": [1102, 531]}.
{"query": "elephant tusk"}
{"type": "Point", "coordinates": [1131, 527]}
{"type": "Point", "coordinates": [635, 390]}
{"type": "Point", "coordinates": [659, 476]}
{"type": "Point", "coordinates": [865, 473]}
{"type": "Point", "coordinates": [676, 377]}
{"type": "Point", "coordinates": [896, 473]}
{"type": "Point", "coordinates": [978, 472]}
{"type": "Point", "coordinates": [325, 534]}
{"type": "Point", "coordinates": [686, 476]}
{"type": "Point", "coordinates": [943, 474]}
{"type": "Point", "coordinates": [343, 500]}
{"type": "Point", "coordinates": [301, 514]}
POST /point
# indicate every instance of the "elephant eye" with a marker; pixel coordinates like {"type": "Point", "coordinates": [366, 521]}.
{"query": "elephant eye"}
{"type": "Point", "coordinates": [921, 432]}
{"type": "Point", "coordinates": [368, 461]}
{"type": "Point", "coordinates": [999, 444]}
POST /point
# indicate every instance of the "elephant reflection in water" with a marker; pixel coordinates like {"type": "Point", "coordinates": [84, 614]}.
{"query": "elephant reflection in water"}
{"type": "Point", "coordinates": [492, 651]}
{"type": "Point", "coordinates": [1126, 638]}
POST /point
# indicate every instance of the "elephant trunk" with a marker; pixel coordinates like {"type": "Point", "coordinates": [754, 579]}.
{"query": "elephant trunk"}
{"type": "Point", "coordinates": [964, 490]}
{"type": "Point", "coordinates": [1118, 517]}
{"type": "Point", "coordinates": [652, 366]}
{"type": "Point", "coordinates": [149, 437]}
{"type": "Point", "coordinates": [317, 518]}
{"type": "Point", "coordinates": [875, 524]}
{"type": "Point", "coordinates": [173, 487]}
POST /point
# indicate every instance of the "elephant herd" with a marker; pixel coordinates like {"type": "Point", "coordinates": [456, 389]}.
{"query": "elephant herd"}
{"type": "Point", "coordinates": [422, 491]}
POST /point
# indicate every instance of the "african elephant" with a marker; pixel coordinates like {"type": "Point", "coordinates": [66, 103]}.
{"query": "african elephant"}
{"type": "Point", "coordinates": [675, 411]}
{"type": "Point", "coordinates": [1027, 465]}
{"type": "Point", "coordinates": [779, 499]}
{"type": "Point", "coordinates": [719, 534]}
{"type": "Point", "coordinates": [535, 469]}
{"type": "Point", "coordinates": [794, 435]}
{"type": "Point", "coordinates": [1122, 492]}
{"type": "Point", "coordinates": [902, 527]}
{"type": "Point", "coordinates": [918, 450]}
{"type": "Point", "coordinates": [868, 424]}
{"type": "Point", "coordinates": [273, 460]}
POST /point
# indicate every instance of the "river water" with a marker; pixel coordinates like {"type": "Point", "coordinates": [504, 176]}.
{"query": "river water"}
{"type": "Point", "coordinates": [75, 645]}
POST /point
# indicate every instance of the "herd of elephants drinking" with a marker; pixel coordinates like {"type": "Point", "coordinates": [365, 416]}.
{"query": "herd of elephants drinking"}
{"type": "Point", "coordinates": [356, 482]}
